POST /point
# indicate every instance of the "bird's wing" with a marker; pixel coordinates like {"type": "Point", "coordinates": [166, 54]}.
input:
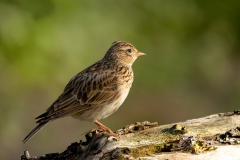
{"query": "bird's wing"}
{"type": "Point", "coordinates": [88, 89]}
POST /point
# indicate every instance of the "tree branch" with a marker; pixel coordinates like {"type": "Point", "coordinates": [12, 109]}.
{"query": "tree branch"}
{"type": "Point", "coordinates": [213, 137]}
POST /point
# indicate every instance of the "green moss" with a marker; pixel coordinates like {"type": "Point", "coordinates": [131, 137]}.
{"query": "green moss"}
{"type": "Point", "coordinates": [150, 150]}
{"type": "Point", "coordinates": [201, 146]}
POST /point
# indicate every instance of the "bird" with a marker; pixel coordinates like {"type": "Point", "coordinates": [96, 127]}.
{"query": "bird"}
{"type": "Point", "coordinates": [97, 91]}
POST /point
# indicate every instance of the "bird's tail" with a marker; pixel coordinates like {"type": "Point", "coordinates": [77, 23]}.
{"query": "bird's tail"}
{"type": "Point", "coordinates": [34, 131]}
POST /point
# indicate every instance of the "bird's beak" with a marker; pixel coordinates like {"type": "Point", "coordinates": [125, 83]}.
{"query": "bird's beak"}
{"type": "Point", "coordinates": [141, 54]}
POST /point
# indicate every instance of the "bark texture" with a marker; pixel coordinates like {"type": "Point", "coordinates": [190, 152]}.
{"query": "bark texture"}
{"type": "Point", "coordinates": [210, 138]}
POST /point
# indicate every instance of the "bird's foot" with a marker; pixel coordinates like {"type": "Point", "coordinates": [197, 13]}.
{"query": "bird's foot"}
{"type": "Point", "coordinates": [106, 129]}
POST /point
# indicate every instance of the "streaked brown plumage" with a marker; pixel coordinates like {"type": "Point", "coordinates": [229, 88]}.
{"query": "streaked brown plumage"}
{"type": "Point", "coordinates": [96, 92]}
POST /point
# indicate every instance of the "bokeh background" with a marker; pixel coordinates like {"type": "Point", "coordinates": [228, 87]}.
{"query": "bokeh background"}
{"type": "Point", "coordinates": [191, 68]}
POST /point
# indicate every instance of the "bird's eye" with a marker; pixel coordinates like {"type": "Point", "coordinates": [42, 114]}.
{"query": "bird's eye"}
{"type": "Point", "coordinates": [129, 50]}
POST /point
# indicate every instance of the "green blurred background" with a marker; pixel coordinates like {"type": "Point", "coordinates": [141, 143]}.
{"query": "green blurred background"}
{"type": "Point", "coordinates": [191, 68]}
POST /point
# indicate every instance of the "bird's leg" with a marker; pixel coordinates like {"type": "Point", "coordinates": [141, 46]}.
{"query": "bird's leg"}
{"type": "Point", "coordinates": [104, 128]}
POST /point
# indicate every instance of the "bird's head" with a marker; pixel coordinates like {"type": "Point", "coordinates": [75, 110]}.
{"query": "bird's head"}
{"type": "Point", "coordinates": [123, 52]}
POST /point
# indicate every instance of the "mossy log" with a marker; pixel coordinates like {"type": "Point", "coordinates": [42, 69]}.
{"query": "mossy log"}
{"type": "Point", "coordinates": [210, 138]}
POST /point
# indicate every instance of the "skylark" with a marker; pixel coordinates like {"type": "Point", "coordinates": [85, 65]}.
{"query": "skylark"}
{"type": "Point", "coordinates": [97, 91]}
